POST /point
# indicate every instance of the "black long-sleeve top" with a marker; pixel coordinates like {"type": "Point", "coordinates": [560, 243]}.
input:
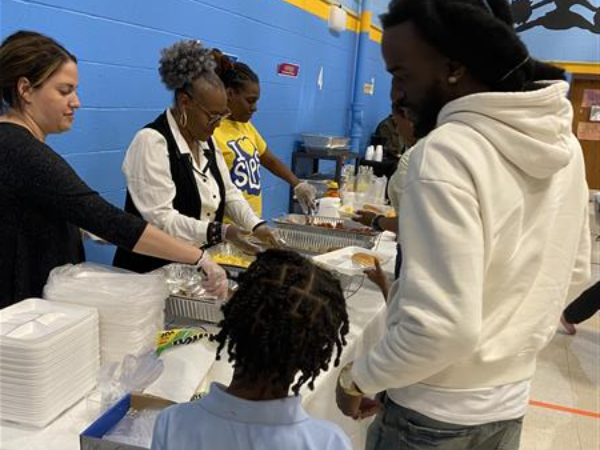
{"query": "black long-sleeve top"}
{"type": "Point", "coordinates": [43, 203]}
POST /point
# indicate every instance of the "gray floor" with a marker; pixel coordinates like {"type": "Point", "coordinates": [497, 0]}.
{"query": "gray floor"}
{"type": "Point", "coordinates": [568, 375]}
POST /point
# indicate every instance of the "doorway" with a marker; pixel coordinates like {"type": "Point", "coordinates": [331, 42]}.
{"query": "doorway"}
{"type": "Point", "coordinates": [585, 97]}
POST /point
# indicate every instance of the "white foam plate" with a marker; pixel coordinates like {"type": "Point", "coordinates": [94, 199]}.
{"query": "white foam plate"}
{"type": "Point", "coordinates": [39, 375]}
{"type": "Point", "coordinates": [19, 374]}
{"type": "Point", "coordinates": [49, 412]}
{"type": "Point", "coordinates": [33, 321]}
{"type": "Point", "coordinates": [341, 260]}
{"type": "Point", "coordinates": [28, 397]}
{"type": "Point", "coordinates": [66, 345]}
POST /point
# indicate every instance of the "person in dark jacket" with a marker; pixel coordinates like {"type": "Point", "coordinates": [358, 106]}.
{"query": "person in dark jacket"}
{"type": "Point", "coordinates": [386, 134]}
{"type": "Point", "coordinates": [581, 309]}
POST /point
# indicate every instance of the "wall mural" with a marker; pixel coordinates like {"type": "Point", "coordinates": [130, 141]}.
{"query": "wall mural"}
{"type": "Point", "coordinates": [562, 17]}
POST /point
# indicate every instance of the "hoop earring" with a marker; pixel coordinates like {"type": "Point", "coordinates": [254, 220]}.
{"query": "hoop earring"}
{"type": "Point", "coordinates": [183, 119]}
{"type": "Point", "coordinates": [452, 80]}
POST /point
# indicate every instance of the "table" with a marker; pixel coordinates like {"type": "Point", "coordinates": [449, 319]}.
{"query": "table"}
{"type": "Point", "coordinates": [366, 310]}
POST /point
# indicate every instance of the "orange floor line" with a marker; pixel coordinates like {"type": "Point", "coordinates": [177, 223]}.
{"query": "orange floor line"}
{"type": "Point", "coordinates": [565, 409]}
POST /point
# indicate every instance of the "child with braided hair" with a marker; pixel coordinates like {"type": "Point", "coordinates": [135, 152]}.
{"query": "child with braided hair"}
{"type": "Point", "coordinates": [280, 331]}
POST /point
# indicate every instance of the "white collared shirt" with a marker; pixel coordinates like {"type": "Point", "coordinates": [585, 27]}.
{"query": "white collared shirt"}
{"type": "Point", "coordinates": [222, 421]}
{"type": "Point", "coordinates": [148, 174]}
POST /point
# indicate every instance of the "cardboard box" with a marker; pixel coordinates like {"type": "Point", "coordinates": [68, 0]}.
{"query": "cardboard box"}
{"type": "Point", "coordinates": [93, 437]}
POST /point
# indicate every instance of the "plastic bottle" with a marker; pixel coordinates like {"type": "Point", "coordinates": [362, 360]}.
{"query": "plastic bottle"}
{"type": "Point", "coordinates": [370, 153]}
{"type": "Point", "coordinates": [333, 190]}
{"type": "Point", "coordinates": [362, 183]}
{"type": "Point", "coordinates": [348, 179]}
{"type": "Point", "coordinates": [379, 153]}
{"type": "Point", "coordinates": [369, 176]}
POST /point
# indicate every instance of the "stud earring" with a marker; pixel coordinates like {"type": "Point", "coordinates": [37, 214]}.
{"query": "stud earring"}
{"type": "Point", "coordinates": [452, 80]}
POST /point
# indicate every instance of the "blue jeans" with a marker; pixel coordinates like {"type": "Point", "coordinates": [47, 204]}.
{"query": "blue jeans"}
{"type": "Point", "coordinates": [398, 428]}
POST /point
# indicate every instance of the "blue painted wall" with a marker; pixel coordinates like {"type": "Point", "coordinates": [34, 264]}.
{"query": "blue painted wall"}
{"type": "Point", "coordinates": [574, 44]}
{"type": "Point", "coordinates": [378, 106]}
{"type": "Point", "coordinates": [118, 45]}
{"type": "Point", "coordinates": [352, 5]}
{"type": "Point", "coordinates": [379, 7]}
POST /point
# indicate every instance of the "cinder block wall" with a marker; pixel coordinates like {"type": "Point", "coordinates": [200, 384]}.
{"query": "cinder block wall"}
{"type": "Point", "coordinates": [118, 45]}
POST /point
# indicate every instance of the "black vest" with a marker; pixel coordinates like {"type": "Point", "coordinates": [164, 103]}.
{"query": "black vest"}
{"type": "Point", "coordinates": [187, 199]}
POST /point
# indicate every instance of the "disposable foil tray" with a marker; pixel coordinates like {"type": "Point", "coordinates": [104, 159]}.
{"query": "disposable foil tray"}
{"type": "Point", "coordinates": [201, 309]}
{"type": "Point", "coordinates": [308, 233]}
{"type": "Point", "coordinates": [312, 243]}
{"type": "Point", "coordinates": [323, 141]}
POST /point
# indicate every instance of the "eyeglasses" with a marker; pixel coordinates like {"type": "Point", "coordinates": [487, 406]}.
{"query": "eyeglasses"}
{"type": "Point", "coordinates": [213, 119]}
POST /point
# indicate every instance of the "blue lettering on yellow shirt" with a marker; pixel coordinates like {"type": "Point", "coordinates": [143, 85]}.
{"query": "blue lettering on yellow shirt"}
{"type": "Point", "coordinates": [245, 170]}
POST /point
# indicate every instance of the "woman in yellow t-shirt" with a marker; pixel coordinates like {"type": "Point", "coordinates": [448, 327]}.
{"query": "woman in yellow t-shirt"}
{"type": "Point", "coordinates": [242, 145]}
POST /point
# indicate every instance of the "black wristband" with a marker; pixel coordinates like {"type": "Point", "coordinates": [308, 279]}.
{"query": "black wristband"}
{"type": "Point", "coordinates": [197, 263]}
{"type": "Point", "coordinates": [375, 223]}
{"type": "Point", "coordinates": [214, 234]}
{"type": "Point", "coordinates": [259, 224]}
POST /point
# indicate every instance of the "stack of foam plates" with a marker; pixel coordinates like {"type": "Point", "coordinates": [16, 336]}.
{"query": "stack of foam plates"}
{"type": "Point", "coordinates": [130, 305]}
{"type": "Point", "coordinates": [129, 331]}
{"type": "Point", "coordinates": [49, 359]}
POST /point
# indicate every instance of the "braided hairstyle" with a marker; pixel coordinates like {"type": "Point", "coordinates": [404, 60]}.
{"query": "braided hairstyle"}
{"type": "Point", "coordinates": [288, 316]}
{"type": "Point", "coordinates": [480, 35]}
{"type": "Point", "coordinates": [233, 74]}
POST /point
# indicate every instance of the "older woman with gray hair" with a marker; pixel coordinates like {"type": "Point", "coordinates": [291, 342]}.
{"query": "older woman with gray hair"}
{"type": "Point", "coordinates": [176, 177]}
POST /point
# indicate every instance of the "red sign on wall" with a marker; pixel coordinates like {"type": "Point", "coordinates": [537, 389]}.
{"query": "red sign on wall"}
{"type": "Point", "coordinates": [288, 70]}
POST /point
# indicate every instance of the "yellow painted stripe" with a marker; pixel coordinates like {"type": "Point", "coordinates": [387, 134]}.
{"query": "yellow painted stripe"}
{"type": "Point", "coordinates": [365, 22]}
{"type": "Point", "coordinates": [376, 34]}
{"type": "Point", "coordinates": [352, 23]}
{"type": "Point", "coordinates": [584, 68]}
{"type": "Point", "coordinates": [297, 3]}
{"type": "Point", "coordinates": [320, 8]}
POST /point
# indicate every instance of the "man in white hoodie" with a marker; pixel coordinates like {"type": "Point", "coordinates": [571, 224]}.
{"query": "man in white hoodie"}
{"type": "Point", "coordinates": [494, 230]}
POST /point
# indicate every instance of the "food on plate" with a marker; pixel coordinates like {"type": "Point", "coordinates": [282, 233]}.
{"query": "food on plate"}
{"type": "Point", "coordinates": [373, 208]}
{"type": "Point", "coordinates": [331, 226]}
{"type": "Point", "coordinates": [230, 260]}
{"type": "Point", "coordinates": [381, 209]}
{"type": "Point", "coordinates": [341, 226]}
{"type": "Point", "coordinates": [364, 259]}
{"type": "Point", "coordinates": [347, 210]}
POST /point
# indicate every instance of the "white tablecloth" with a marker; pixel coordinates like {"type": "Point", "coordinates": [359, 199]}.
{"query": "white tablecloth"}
{"type": "Point", "coordinates": [366, 310]}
